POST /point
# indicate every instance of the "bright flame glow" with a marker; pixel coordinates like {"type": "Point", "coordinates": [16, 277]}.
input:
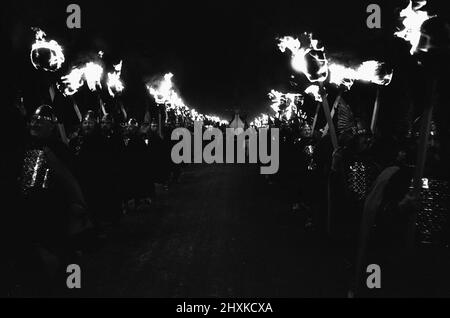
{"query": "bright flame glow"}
{"type": "Point", "coordinates": [56, 58]}
{"type": "Point", "coordinates": [279, 98]}
{"type": "Point", "coordinates": [72, 81]}
{"type": "Point", "coordinates": [298, 56]}
{"type": "Point", "coordinates": [369, 71]}
{"type": "Point", "coordinates": [314, 91]}
{"type": "Point", "coordinates": [114, 83]}
{"type": "Point", "coordinates": [162, 91]}
{"type": "Point", "coordinates": [341, 75]}
{"type": "Point", "coordinates": [413, 20]}
{"type": "Point", "coordinates": [93, 75]}
{"type": "Point", "coordinates": [90, 73]}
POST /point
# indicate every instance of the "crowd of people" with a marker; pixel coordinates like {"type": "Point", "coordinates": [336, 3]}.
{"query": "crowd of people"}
{"type": "Point", "coordinates": [360, 194]}
{"type": "Point", "coordinates": [66, 192]}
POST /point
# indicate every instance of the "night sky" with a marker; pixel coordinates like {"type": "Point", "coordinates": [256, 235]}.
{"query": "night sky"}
{"type": "Point", "coordinates": [223, 53]}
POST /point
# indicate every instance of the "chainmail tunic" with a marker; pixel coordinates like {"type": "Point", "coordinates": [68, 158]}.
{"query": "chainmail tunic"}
{"type": "Point", "coordinates": [360, 176]}
{"type": "Point", "coordinates": [433, 217]}
{"type": "Point", "coordinates": [35, 171]}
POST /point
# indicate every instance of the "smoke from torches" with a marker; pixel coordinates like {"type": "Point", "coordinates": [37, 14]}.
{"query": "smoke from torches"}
{"type": "Point", "coordinates": [412, 22]}
{"type": "Point", "coordinates": [46, 55]}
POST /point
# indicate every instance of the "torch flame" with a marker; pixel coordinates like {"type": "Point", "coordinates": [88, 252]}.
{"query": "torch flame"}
{"type": "Point", "coordinates": [372, 71]}
{"type": "Point", "coordinates": [413, 20]}
{"type": "Point", "coordinates": [279, 98]}
{"type": "Point", "coordinates": [56, 58]}
{"type": "Point", "coordinates": [90, 73]}
{"type": "Point", "coordinates": [114, 83]}
{"type": "Point", "coordinates": [93, 75]}
{"type": "Point", "coordinates": [298, 53]}
{"type": "Point", "coordinates": [314, 91]}
{"type": "Point", "coordinates": [369, 71]}
{"type": "Point", "coordinates": [162, 91]}
{"type": "Point", "coordinates": [298, 56]}
{"type": "Point", "coordinates": [72, 81]}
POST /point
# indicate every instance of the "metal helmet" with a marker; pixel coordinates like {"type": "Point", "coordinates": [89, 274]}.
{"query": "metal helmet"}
{"type": "Point", "coordinates": [45, 112]}
{"type": "Point", "coordinates": [133, 122]}
{"type": "Point", "coordinates": [90, 116]}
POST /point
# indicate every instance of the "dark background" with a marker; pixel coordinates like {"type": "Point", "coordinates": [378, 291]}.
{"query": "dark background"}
{"type": "Point", "coordinates": [223, 53]}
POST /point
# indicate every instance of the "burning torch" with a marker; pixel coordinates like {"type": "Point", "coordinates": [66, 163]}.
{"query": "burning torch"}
{"type": "Point", "coordinates": [429, 37]}
{"type": "Point", "coordinates": [370, 71]}
{"type": "Point", "coordinates": [311, 61]}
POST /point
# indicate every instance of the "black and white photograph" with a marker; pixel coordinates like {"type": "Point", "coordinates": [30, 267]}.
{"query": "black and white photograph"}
{"type": "Point", "coordinates": [225, 156]}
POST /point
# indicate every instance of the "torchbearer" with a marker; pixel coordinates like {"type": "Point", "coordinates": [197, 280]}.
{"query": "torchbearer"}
{"type": "Point", "coordinates": [51, 196]}
{"type": "Point", "coordinates": [312, 62]}
{"type": "Point", "coordinates": [430, 42]}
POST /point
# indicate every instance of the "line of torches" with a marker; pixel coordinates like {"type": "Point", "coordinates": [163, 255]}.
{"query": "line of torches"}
{"type": "Point", "coordinates": [165, 94]}
{"type": "Point", "coordinates": [310, 60]}
{"type": "Point", "coordinates": [307, 57]}
{"type": "Point", "coordinates": [49, 56]}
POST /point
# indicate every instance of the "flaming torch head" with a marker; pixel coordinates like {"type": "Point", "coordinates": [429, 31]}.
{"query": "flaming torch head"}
{"type": "Point", "coordinates": [93, 74]}
{"type": "Point", "coordinates": [317, 66]}
{"type": "Point", "coordinates": [310, 60]}
{"type": "Point", "coordinates": [342, 76]}
{"type": "Point", "coordinates": [375, 72]}
{"type": "Point", "coordinates": [115, 85]}
{"type": "Point", "coordinates": [369, 71]}
{"type": "Point", "coordinates": [314, 91]}
{"type": "Point", "coordinates": [71, 82]}
{"type": "Point", "coordinates": [162, 92]}
{"type": "Point", "coordinates": [46, 55]}
{"type": "Point", "coordinates": [412, 23]}
{"type": "Point", "coordinates": [277, 100]}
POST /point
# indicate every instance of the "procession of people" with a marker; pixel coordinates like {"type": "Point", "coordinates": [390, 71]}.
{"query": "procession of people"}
{"type": "Point", "coordinates": [79, 157]}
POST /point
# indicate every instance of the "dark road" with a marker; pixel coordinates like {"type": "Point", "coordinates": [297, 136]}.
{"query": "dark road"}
{"type": "Point", "coordinates": [221, 232]}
